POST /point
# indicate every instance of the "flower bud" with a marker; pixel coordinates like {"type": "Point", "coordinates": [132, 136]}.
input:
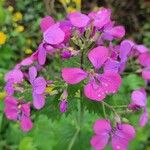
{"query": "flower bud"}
{"type": "Point", "coordinates": [63, 106]}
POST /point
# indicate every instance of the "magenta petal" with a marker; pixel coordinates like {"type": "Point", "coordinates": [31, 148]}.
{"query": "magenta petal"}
{"type": "Point", "coordinates": [73, 75]}
{"type": "Point", "coordinates": [110, 81]}
{"type": "Point", "coordinates": [117, 32]}
{"type": "Point", "coordinates": [10, 109]}
{"type": "Point", "coordinates": [146, 73]}
{"type": "Point", "coordinates": [39, 85]}
{"type": "Point", "coordinates": [99, 142]}
{"type": "Point", "coordinates": [98, 56]}
{"type": "Point", "coordinates": [144, 59]}
{"type": "Point", "coordinates": [25, 108]}
{"type": "Point", "coordinates": [127, 131]}
{"type": "Point", "coordinates": [46, 22]}
{"type": "Point", "coordinates": [94, 91]}
{"type": "Point", "coordinates": [111, 66]}
{"type": "Point", "coordinates": [26, 124]}
{"type": "Point", "coordinates": [78, 19]}
{"type": "Point", "coordinates": [119, 143]}
{"type": "Point", "coordinates": [41, 54]}
{"type": "Point", "coordinates": [102, 126]}
{"type": "Point", "coordinates": [27, 61]}
{"type": "Point", "coordinates": [141, 48]}
{"type": "Point", "coordinates": [125, 48]}
{"type": "Point", "coordinates": [32, 73]}
{"type": "Point", "coordinates": [139, 98]}
{"type": "Point", "coordinates": [144, 118]}
{"type": "Point", "coordinates": [102, 17]}
{"type": "Point", "coordinates": [38, 101]}
{"type": "Point", "coordinates": [14, 75]}
{"type": "Point", "coordinates": [54, 35]}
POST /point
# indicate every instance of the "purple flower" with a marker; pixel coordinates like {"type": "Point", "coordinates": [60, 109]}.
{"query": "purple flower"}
{"type": "Point", "coordinates": [38, 88]}
{"type": "Point", "coordinates": [99, 84]}
{"type": "Point", "coordinates": [78, 19]}
{"type": "Point", "coordinates": [18, 110]}
{"type": "Point", "coordinates": [54, 35]}
{"type": "Point", "coordinates": [139, 101]}
{"type": "Point", "coordinates": [121, 135]}
{"type": "Point", "coordinates": [66, 54]}
{"type": "Point", "coordinates": [102, 17]}
{"type": "Point", "coordinates": [46, 22]}
{"type": "Point", "coordinates": [63, 106]}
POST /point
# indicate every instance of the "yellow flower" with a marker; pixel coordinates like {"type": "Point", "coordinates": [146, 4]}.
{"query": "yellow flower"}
{"type": "Point", "coordinates": [20, 28]}
{"type": "Point", "coordinates": [50, 90]}
{"type": "Point", "coordinates": [2, 95]}
{"type": "Point", "coordinates": [29, 41]}
{"type": "Point", "coordinates": [64, 2]}
{"type": "Point", "coordinates": [28, 51]}
{"type": "Point", "coordinates": [70, 9]}
{"type": "Point", "coordinates": [17, 16]}
{"type": "Point", "coordinates": [10, 8]}
{"type": "Point", "coordinates": [78, 4]}
{"type": "Point", "coordinates": [2, 38]}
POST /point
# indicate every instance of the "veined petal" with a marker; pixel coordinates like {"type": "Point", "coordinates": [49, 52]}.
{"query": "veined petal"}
{"type": "Point", "coordinates": [102, 126]}
{"type": "Point", "coordinates": [46, 22]}
{"type": "Point", "coordinates": [98, 56]}
{"type": "Point", "coordinates": [32, 73]}
{"type": "Point", "coordinates": [54, 35]}
{"type": "Point", "coordinates": [26, 124]}
{"type": "Point", "coordinates": [38, 101]}
{"type": "Point", "coordinates": [39, 85]}
{"type": "Point", "coordinates": [144, 118]}
{"type": "Point", "coordinates": [73, 75]}
{"type": "Point", "coordinates": [41, 54]}
{"type": "Point", "coordinates": [139, 98]}
{"type": "Point", "coordinates": [78, 19]}
{"type": "Point", "coordinates": [116, 32]}
{"type": "Point", "coordinates": [99, 142]}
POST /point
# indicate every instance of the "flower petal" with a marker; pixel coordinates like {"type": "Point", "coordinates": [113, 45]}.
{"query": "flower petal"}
{"type": "Point", "coordinates": [102, 17]}
{"type": "Point", "coordinates": [102, 126]}
{"type": "Point", "coordinates": [46, 22]}
{"type": "Point", "coordinates": [94, 92]}
{"type": "Point", "coordinates": [110, 81]}
{"type": "Point", "coordinates": [73, 75]}
{"type": "Point", "coordinates": [38, 101]}
{"type": "Point", "coordinates": [39, 85]}
{"type": "Point", "coordinates": [41, 54]}
{"type": "Point", "coordinates": [99, 142]}
{"type": "Point", "coordinates": [32, 73]}
{"type": "Point", "coordinates": [98, 56]}
{"type": "Point", "coordinates": [54, 35]}
{"type": "Point", "coordinates": [25, 108]}
{"type": "Point", "coordinates": [144, 59]}
{"type": "Point", "coordinates": [116, 32]}
{"type": "Point", "coordinates": [78, 19]}
{"type": "Point", "coordinates": [144, 118]}
{"type": "Point", "coordinates": [26, 124]}
{"type": "Point", "coordinates": [146, 73]}
{"type": "Point", "coordinates": [139, 98]}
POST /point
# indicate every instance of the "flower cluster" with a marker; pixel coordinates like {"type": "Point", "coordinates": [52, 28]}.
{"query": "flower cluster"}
{"type": "Point", "coordinates": [101, 65]}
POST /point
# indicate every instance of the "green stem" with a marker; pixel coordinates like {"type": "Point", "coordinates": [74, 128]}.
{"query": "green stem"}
{"type": "Point", "coordinates": [104, 111]}
{"type": "Point", "coordinates": [73, 139]}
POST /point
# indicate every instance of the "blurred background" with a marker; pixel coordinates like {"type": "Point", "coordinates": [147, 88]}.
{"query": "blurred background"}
{"type": "Point", "coordinates": [20, 35]}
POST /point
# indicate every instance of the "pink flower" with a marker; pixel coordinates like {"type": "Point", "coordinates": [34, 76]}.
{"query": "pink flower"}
{"type": "Point", "coordinates": [46, 22]}
{"type": "Point", "coordinates": [78, 19]}
{"type": "Point", "coordinates": [38, 87]}
{"type": "Point", "coordinates": [18, 110]}
{"type": "Point", "coordinates": [99, 84]}
{"type": "Point", "coordinates": [139, 101]}
{"type": "Point", "coordinates": [54, 35]}
{"type": "Point", "coordinates": [121, 135]}
{"type": "Point", "coordinates": [102, 17]}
